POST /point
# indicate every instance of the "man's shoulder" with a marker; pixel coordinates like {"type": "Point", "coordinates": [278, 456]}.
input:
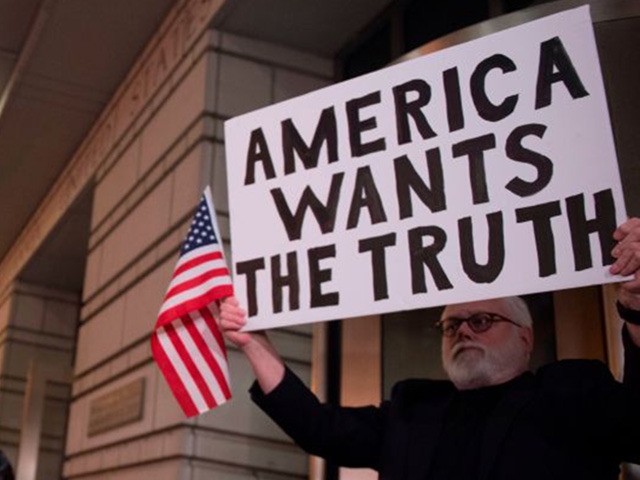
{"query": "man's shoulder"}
{"type": "Point", "coordinates": [574, 373]}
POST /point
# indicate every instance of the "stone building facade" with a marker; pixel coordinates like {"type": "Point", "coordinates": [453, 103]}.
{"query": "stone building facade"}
{"type": "Point", "coordinates": [80, 395]}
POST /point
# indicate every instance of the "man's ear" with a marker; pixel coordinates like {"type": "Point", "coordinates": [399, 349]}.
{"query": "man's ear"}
{"type": "Point", "coordinates": [526, 335]}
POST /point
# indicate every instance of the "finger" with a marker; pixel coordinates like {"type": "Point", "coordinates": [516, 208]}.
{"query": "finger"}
{"type": "Point", "coordinates": [227, 324]}
{"type": "Point", "coordinates": [230, 309]}
{"type": "Point", "coordinates": [630, 241]}
{"type": "Point", "coordinates": [231, 300]}
{"type": "Point", "coordinates": [233, 316]}
{"type": "Point", "coordinates": [632, 286]}
{"type": "Point", "coordinates": [628, 263]}
{"type": "Point", "coordinates": [621, 262]}
{"type": "Point", "coordinates": [631, 225]}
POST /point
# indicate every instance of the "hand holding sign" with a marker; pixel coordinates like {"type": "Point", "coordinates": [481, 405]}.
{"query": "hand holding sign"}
{"type": "Point", "coordinates": [627, 255]}
{"type": "Point", "coordinates": [265, 361]}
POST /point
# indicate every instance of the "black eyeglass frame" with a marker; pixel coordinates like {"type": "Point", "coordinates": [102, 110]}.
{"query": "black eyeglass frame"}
{"type": "Point", "coordinates": [472, 320]}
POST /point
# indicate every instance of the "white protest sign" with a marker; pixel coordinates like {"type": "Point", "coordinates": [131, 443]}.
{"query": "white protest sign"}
{"type": "Point", "coordinates": [483, 170]}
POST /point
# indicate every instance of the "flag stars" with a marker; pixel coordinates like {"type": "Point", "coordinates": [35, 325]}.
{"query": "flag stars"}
{"type": "Point", "coordinates": [201, 232]}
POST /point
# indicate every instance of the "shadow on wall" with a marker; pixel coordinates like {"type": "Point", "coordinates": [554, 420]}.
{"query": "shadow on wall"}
{"type": "Point", "coordinates": [6, 472]}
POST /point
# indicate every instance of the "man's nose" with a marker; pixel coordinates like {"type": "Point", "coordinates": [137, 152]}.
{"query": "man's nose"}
{"type": "Point", "coordinates": [464, 330]}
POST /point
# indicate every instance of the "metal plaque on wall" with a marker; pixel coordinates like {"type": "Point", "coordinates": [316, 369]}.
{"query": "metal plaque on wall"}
{"type": "Point", "coordinates": [117, 408]}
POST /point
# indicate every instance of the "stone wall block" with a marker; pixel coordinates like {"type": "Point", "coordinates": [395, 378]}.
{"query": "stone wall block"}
{"type": "Point", "coordinates": [143, 302]}
{"type": "Point", "coordinates": [251, 452]}
{"type": "Point", "coordinates": [100, 337]}
{"type": "Point", "coordinates": [60, 318]}
{"type": "Point", "coordinates": [243, 86]}
{"type": "Point", "coordinates": [28, 312]}
{"type": "Point", "coordinates": [187, 185]}
{"type": "Point", "coordinates": [5, 312]}
{"type": "Point", "coordinates": [219, 184]}
{"type": "Point", "coordinates": [180, 109]}
{"type": "Point", "coordinates": [240, 415]}
{"type": "Point", "coordinates": [116, 183]}
{"type": "Point", "coordinates": [137, 231]}
{"type": "Point", "coordinates": [290, 84]}
{"type": "Point", "coordinates": [92, 271]}
{"type": "Point", "coordinates": [284, 56]}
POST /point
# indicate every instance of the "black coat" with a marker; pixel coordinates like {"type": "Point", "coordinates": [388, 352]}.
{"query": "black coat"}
{"type": "Point", "coordinates": [570, 420]}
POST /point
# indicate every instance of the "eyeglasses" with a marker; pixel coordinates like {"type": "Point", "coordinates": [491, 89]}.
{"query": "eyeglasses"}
{"type": "Point", "coordinates": [478, 322]}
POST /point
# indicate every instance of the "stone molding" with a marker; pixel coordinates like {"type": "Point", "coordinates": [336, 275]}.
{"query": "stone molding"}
{"type": "Point", "coordinates": [173, 40]}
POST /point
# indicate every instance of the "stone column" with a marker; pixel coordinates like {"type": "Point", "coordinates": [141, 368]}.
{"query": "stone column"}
{"type": "Point", "coordinates": [37, 330]}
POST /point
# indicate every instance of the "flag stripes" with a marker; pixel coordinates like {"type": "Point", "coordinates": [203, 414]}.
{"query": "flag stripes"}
{"type": "Point", "coordinates": [187, 305]}
{"type": "Point", "coordinates": [197, 281]}
{"type": "Point", "coordinates": [187, 344]}
{"type": "Point", "coordinates": [196, 354]}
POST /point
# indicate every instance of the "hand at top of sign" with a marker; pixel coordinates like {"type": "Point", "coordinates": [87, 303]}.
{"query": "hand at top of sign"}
{"type": "Point", "coordinates": [627, 255]}
{"type": "Point", "coordinates": [232, 319]}
{"type": "Point", "coordinates": [263, 357]}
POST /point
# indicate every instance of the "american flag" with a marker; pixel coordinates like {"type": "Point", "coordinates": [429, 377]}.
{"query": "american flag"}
{"type": "Point", "coordinates": [187, 344]}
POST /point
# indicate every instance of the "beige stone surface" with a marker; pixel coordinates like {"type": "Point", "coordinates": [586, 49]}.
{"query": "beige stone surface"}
{"type": "Point", "coordinates": [291, 345]}
{"type": "Point", "coordinates": [243, 86]}
{"type": "Point", "coordinates": [5, 310]}
{"type": "Point", "coordinates": [100, 337]}
{"type": "Point", "coordinates": [222, 473]}
{"type": "Point", "coordinates": [136, 232]}
{"type": "Point", "coordinates": [11, 411]}
{"type": "Point", "coordinates": [140, 353]}
{"type": "Point", "coordinates": [167, 412]}
{"type": "Point", "coordinates": [60, 318]}
{"type": "Point", "coordinates": [208, 471]}
{"type": "Point", "coordinates": [187, 185]}
{"type": "Point", "coordinates": [177, 112]}
{"type": "Point", "coordinates": [240, 415]}
{"type": "Point", "coordinates": [218, 179]}
{"type": "Point", "coordinates": [212, 60]}
{"type": "Point", "coordinates": [28, 311]}
{"type": "Point", "coordinates": [288, 84]}
{"type": "Point", "coordinates": [151, 447]}
{"type": "Point", "coordinates": [269, 52]}
{"type": "Point", "coordinates": [116, 183]}
{"type": "Point", "coordinates": [160, 470]}
{"type": "Point", "coordinates": [11, 452]}
{"type": "Point", "coordinates": [156, 182]}
{"type": "Point", "coordinates": [250, 452]}
{"type": "Point", "coordinates": [40, 341]}
{"type": "Point", "coordinates": [79, 414]}
{"type": "Point", "coordinates": [56, 416]}
{"type": "Point", "coordinates": [19, 356]}
{"type": "Point", "coordinates": [92, 271]}
{"type": "Point", "coordinates": [143, 303]}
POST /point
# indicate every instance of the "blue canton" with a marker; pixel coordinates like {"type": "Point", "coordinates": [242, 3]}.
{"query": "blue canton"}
{"type": "Point", "coordinates": [201, 231]}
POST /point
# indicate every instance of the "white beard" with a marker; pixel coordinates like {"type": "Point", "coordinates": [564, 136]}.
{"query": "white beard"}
{"type": "Point", "coordinates": [472, 365]}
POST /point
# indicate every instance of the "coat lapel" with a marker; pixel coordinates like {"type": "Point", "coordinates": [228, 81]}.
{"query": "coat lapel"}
{"type": "Point", "coordinates": [499, 423]}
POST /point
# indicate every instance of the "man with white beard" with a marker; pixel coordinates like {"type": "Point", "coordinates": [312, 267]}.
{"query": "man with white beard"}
{"type": "Point", "coordinates": [481, 346]}
{"type": "Point", "coordinates": [495, 420]}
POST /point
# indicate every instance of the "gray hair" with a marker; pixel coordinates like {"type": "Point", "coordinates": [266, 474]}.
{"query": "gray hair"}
{"type": "Point", "coordinates": [518, 311]}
